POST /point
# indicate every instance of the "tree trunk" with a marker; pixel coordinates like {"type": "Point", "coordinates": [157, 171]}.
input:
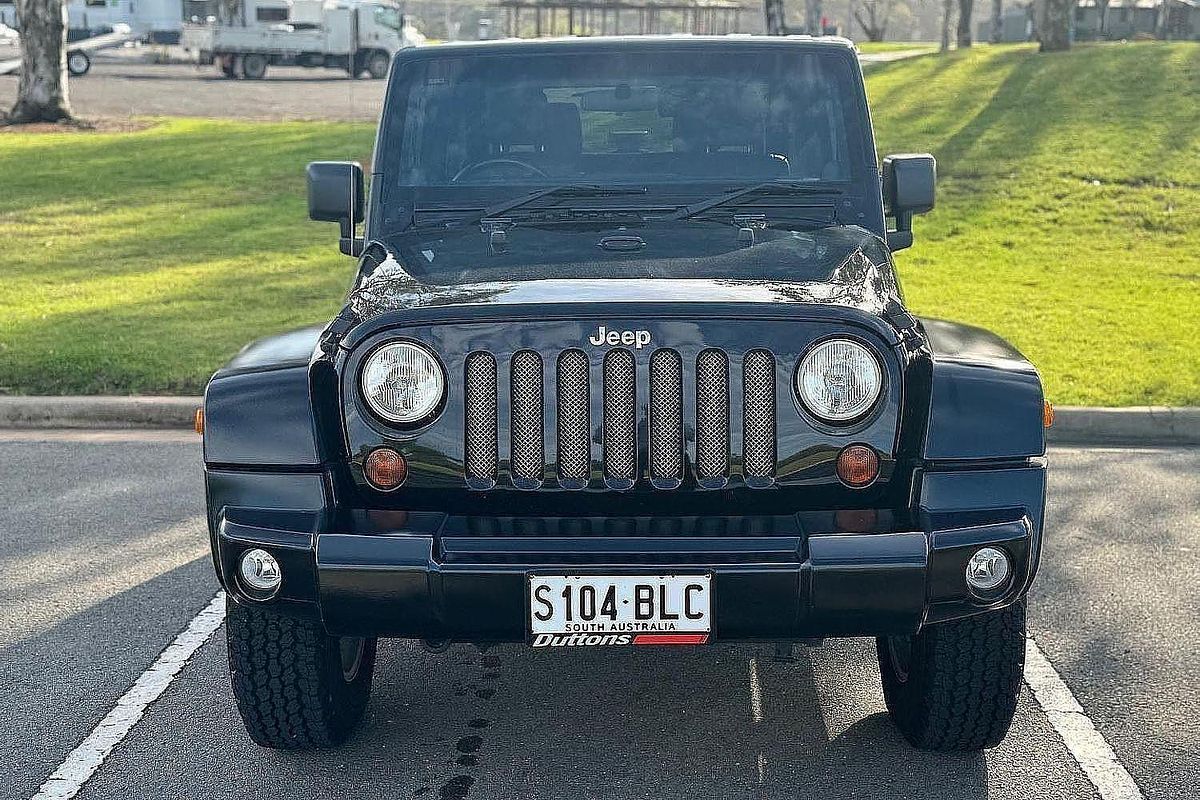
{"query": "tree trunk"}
{"type": "Point", "coordinates": [1054, 28]}
{"type": "Point", "coordinates": [776, 24]}
{"type": "Point", "coordinates": [965, 7]}
{"type": "Point", "coordinates": [997, 34]}
{"type": "Point", "coordinates": [947, 13]}
{"type": "Point", "coordinates": [1163, 23]}
{"type": "Point", "coordinates": [812, 17]}
{"type": "Point", "coordinates": [1102, 21]}
{"type": "Point", "coordinates": [42, 90]}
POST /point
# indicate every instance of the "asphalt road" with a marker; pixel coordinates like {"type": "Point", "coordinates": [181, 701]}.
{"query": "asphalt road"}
{"type": "Point", "coordinates": [104, 561]}
{"type": "Point", "coordinates": [122, 87]}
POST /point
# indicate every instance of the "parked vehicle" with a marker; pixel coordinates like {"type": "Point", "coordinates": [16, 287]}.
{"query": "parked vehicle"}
{"type": "Point", "coordinates": [359, 36]}
{"type": "Point", "coordinates": [156, 21]}
{"type": "Point", "coordinates": [626, 363]}
{"type": "Point", "coordinates": [79, 51]}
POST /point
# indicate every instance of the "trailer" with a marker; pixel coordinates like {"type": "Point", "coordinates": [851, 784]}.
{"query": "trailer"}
{"type": "Point", "coordinates": [359, 36]}
{"type": "Point", "coordinates": [79, 53]}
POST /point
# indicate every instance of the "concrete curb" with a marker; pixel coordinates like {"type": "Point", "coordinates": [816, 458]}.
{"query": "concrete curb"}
{"type": "Point", "coordinates": [99, 411]}
{"type": "Point", "coordinates": [1141, 425]}
{"type": "Point", "coordinates": [1137, 425]}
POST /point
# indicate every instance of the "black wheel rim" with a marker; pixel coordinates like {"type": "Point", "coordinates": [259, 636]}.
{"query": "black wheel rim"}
{"type": "Point", "coordinates": [351, 648]}
{"type": "Point", "coordinates": [900, 654]}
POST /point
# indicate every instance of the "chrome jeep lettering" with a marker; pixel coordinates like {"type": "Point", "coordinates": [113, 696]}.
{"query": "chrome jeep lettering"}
{"type": "Point", "coordinates": [635, 339]}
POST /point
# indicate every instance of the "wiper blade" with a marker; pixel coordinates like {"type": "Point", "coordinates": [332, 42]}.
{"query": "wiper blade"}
{"type": "Point", "coordinates": [776, 188]}
{"type": "Point", "coordinates": [564, 190]}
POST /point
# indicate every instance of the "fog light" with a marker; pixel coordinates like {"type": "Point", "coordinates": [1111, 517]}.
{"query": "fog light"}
{"type": "Point", "coordinates": [987, 569]}
{"type": "Point", "coordinates": [858, 466]}
{"type": "Point", "coordinates": [260, 571]}
{"type": "Point", "coordinates": [385, 469]}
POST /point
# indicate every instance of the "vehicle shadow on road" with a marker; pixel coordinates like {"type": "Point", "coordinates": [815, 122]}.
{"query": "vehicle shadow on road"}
{"type": "Point", "coordinates": [689, 722]}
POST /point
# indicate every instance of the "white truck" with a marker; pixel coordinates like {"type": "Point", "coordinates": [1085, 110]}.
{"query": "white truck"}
{"type": "Point", "coordinates": [359, 36]}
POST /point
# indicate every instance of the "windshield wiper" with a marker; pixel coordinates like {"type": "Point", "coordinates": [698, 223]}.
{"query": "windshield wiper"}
{"type": "Point", "coordinates": [767, 188]}
{"type": "Point", "coordinates": [564, 190]}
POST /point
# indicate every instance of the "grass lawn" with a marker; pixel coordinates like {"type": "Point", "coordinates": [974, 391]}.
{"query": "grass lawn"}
{"type": "Point", "coordinates": [1068, 221]}
{"type": "Point", "coordinates": [893, 47]}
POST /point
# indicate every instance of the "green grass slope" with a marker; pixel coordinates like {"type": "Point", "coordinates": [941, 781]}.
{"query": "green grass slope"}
{"type": "Point", "coordinates": [1068, 215]}
{"type": "Point", "coordinates": [1068, 221]}
{"type": "Point", "coordinates": [139, 262]}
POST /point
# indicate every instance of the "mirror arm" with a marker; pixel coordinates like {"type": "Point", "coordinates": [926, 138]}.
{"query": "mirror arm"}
{"type": "Point", "coordinates": [902, 236]}
{"type": "Point", "coordinates": [349, 244]}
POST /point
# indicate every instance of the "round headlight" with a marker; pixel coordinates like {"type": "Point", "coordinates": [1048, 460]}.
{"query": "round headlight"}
{"type": "Point", "coordinates": [403, 382]}
{"type": "Point", "coordinates": [839, 380]}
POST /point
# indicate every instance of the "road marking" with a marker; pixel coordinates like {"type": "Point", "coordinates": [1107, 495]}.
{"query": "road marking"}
{"type": "Point", "coordinates": [1086, 744]}
{"type": "Point", "coordinates": [756, 711]}
{"type": "Point", "coordinates": [82, 762]}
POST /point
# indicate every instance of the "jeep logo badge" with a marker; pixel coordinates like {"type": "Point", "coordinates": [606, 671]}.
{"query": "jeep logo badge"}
{"type": "Point", "coordinates": [636, 339]}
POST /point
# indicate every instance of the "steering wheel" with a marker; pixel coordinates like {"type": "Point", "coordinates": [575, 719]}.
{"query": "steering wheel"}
{"type": "Point", "coordinates": [497, 162]}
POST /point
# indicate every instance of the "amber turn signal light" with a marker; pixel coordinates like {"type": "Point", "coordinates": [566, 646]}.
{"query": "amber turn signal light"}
{"type": "Point", "coordinates": [385, 469]}
{"type": "Point", "coordinates": [198, 421]}
{"type": "Point", "coordinates": [857, 466]}
{"type": "Point", "coordinates": [1047, 414]}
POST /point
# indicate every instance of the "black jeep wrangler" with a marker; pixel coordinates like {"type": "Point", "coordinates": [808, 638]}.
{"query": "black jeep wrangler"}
{"type": "Point", "coordinates": [626, 363]}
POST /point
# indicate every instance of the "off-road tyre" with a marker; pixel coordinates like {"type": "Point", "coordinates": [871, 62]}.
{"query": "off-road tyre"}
{"type": "Point", "coordinates": [953, 687]}
{"type": "Point", "coordinates": [289, 679]}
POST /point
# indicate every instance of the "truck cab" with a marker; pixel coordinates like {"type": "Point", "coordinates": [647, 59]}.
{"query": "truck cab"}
{"type": "Point", "coordinates": [626, 362]}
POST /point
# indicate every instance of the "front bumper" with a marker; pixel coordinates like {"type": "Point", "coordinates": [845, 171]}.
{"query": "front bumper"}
{"type": "Point", "coordinates": [424, 581]}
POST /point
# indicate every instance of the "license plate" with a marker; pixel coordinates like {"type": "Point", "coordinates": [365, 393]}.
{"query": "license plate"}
{"type": "Point", "coordinates": [590, 610]}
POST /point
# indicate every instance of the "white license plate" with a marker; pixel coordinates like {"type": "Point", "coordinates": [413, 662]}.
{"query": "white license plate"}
{"type": "Point", "coordinates": [581, 610]}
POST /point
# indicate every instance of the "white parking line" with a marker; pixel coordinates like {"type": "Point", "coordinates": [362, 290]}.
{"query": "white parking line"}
{"type": "Point", "coordinates": [1086, 744]}
{"type": "Point", "coordinates": [82, 762]}
{"type": "Point", "coordinates": [756, 705]}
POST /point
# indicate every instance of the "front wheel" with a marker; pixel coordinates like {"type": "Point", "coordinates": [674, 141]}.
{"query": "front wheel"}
{"type": "Point", "coordinates": [297, 687]}
{"type": "Point", "coordinates": [954, 685]}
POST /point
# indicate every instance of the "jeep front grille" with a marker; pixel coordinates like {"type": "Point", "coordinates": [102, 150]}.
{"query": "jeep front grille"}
{"type": "Point", "coordinates": [574, 419]}
{"type": "Point", "coordinates": [666, 417]}
{"type": "Point", "coordinates": [758, 409]}
{"type": "Point", "coordinates": [479, 407]}
{"type": "Point", "coordinates": [635, 420]}
{"type": "Point", "coordinates": [528, 450]}
{"type": "Point", "coordinates": [620, 417]}
{"type": "Point", "coordinates": [712, 416]}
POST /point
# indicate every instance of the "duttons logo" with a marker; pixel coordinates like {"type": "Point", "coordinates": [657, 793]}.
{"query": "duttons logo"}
{"type": "Point", "coordinates": [635, 339]}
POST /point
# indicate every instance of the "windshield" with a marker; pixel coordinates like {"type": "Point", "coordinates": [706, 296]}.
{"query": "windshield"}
{"type": "Point", "coordinates": [661, 115]}
{"type": "Point", "coordinates": [677, 162]}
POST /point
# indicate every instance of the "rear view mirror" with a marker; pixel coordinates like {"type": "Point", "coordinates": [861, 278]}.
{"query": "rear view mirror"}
{"type": "Point", "coordinates": [335, 194]}
{"type": "Point", "coordinates": [908, 188]}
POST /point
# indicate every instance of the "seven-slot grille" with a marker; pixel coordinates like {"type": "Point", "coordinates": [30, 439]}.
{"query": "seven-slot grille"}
{"type": "Point", "coordinates": [615, 441]}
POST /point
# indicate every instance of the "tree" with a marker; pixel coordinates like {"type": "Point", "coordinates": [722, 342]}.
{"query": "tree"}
{"type": "Point", "coordinates": [776, 23]}
{"type": "Point", "coordinates": [874, 22]}
{"type": "Point", "coordinates": [947, 16]}
{"type": "Point", "coordinates": [997, 32]}
{"type": "Point", "coordinates": [812, 17]}
{"type": "Point", "coordinates": [1102, 13]}
{"type": "Point", "coordinates": [1054, 28]}
{"type": "Point", "coordinates": [42, 90]}
{"type": "Point", "coordinates": [965, 7]}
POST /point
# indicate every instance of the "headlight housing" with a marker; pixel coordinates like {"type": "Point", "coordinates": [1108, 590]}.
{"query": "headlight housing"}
{"type": "Point", "coordinates": [403, 383]}
{"type": "Point", "coordinates": [839, 380]}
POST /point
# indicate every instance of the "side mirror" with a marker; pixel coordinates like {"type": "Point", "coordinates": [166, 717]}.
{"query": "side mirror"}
{"type": "Point", "coordinates": [908, 188]}
{"type": "Point", "coordinates": [335, 194]}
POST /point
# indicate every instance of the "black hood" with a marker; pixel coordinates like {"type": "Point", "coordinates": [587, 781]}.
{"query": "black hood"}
{"type": "Point", "coordinates": [852, 269]}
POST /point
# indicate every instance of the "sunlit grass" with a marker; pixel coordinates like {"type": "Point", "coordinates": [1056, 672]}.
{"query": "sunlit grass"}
{"type": "Point", "coordinates": [1068, 221]}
